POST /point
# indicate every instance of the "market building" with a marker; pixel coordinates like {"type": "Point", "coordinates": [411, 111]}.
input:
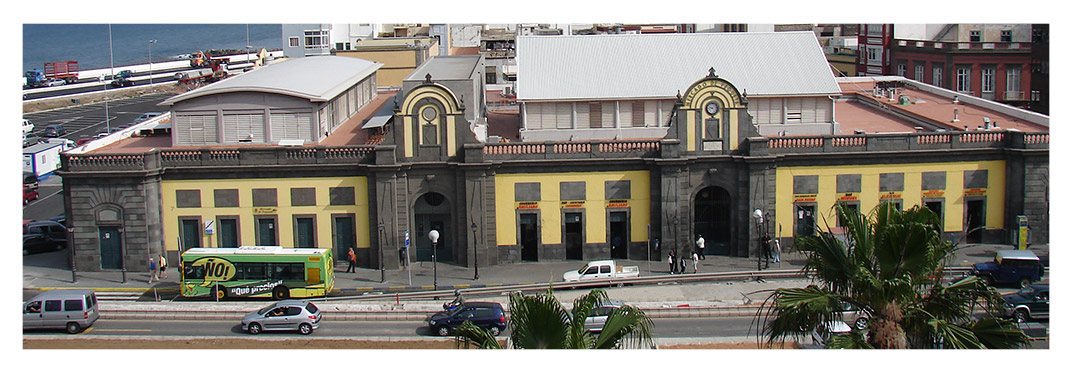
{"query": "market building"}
{"type": "Point", "coordinates": [680, 151]}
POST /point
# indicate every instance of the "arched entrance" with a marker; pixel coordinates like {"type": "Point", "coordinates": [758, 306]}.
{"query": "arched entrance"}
{"type": "Point", "coordinates": [711, 219]}
{"type": "Point", "coordinates": [432, 211]}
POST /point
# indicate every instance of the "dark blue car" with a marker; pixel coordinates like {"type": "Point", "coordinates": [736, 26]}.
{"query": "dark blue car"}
{"type": "Point", "coordinates": [1021, 267]}
{"type": "Point", "coordinates": [487, 315]}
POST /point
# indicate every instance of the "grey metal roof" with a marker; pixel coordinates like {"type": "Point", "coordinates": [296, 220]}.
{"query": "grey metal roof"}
{"type": "Point", "coordinates": [661, 65]}
{"type": "Point", "coordinates": [446, 68]}
{"type": "Point", "coordinates": [316, 78]}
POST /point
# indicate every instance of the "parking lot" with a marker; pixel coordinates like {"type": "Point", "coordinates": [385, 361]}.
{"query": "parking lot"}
{"type": "Point", "coordinates": [85, 121]}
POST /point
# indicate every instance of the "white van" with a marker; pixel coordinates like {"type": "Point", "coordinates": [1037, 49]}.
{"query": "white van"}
{"type": "Point", "coordinates": [72, 310]}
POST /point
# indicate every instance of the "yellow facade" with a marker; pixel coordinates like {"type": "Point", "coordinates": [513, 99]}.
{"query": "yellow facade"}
{"type": "Point", "coordinates": [953, 196]}
{"type": "Point", "coordinates": [550, 205]}
{"type": "Point", "coordinates": [284, 211]}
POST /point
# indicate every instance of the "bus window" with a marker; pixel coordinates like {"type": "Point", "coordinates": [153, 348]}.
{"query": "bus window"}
{"type": "Point", "coordinates": [191, 272]}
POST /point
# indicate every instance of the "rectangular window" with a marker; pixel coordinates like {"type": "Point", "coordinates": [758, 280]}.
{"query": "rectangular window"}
{"type": "Point", "coordinates": [638, 114]}
{"type": "Point", "coordinates": [293, 41]}
{"type": "Point", "coordinates": [987, 82]}
{"type": "Point", "coordinates": [918, 73]}
{"type": "Point", "coordinates": [52, 305]}
{"type": "Point", "coordinates": [901, 69]}
{"type": "Point", "coordinates": [1013, 79]}
{"type": "Point", "coordinates": [341, 196]}
{"type": "Point", "coordinates": [1007, 36]}
{"type": "Point", "coordinates": [937, 76]}
{"type": "Point", "coordinates": [316, 39]}
{"type": "Point", "coordinates": [963, 80]}
{"type": "Point", "coordinates": [72, 305]}
{"type": "Point", "coordinates": [596, 115]}
{"type": "Point", "coordinates": [264, 197]}
{"type": "Point", "coordinates": [875, 55]}
{"type": "Point", "coordinates": [974, 36]}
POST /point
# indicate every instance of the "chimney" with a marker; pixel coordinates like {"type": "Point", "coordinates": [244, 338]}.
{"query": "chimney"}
{"type": "Point", "coordinates": [956, 113]}
{"type": "Point", "coordinates": [987, 123]}
{"type": "Point", "coordinates": [955, 100]}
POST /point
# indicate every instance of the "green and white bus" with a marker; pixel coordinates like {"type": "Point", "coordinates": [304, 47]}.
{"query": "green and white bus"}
{"type": "Point", "coordinates": [257, 271]}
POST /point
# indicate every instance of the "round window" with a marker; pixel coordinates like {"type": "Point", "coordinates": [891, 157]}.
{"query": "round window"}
{"type": "Point", "coordinates": [429, 113]}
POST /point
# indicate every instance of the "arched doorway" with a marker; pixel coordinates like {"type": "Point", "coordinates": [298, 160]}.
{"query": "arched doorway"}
{"type": "Point", "coordinates": [432, 211]}
{"type": "Point", "coordinates": [711, 219]}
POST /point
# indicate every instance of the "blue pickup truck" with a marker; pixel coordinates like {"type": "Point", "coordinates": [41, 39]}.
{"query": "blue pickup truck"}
{"type": "Point", "coordinates": [1020, 267]}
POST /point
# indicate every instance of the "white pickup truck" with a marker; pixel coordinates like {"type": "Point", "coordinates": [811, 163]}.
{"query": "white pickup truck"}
{"type": "Point", "coordinates": [601, 269]}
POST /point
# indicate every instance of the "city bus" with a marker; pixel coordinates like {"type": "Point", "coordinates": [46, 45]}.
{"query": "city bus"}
{"type": "Point", "coordinates": [257, 271]}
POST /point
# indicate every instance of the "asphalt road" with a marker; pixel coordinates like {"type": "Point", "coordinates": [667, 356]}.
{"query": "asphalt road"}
{"type": "Point", "coordinates": [88, 120]}
{"type": "Point", "coordinates": [662, 328]}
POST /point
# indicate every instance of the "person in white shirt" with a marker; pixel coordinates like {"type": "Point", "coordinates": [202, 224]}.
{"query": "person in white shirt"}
{"type": "Point", "coordinates": [700, 246]}
{"type": "Point", "coordinates": [696, 259]}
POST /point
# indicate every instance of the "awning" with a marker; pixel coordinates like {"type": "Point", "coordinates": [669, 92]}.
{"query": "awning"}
{"type": "Point", "coordinates": [376, 122]}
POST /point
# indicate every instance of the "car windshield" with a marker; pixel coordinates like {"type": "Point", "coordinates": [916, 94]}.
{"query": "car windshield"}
{"type": "Point", "coordinates": [1028, 292]}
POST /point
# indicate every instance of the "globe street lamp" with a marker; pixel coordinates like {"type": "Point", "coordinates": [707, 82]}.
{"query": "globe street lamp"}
{"type": "Point", "coordinates": [759, 216]}
{"type": "Point", "coordinates": [434, 236]}
{"type": "Point", "coordinates": [476, 274]}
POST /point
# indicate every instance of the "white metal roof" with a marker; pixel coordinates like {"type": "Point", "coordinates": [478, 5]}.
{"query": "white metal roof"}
{"type": "Point", "coordinates": [262, 250]}
{"type": "Point", "coordinates": [661, 65]}
{"type": "Point", "coordinates": [316, 78]}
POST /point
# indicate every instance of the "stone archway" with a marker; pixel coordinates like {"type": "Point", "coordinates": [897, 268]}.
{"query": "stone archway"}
{"type": "Point", "coordinates": [432, 211]}
{"type": "Point", "coordinates": [711, 219]}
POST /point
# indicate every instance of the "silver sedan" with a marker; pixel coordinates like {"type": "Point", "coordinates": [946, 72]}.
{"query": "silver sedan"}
{"type": "Point", "coordinates": [297, 315]}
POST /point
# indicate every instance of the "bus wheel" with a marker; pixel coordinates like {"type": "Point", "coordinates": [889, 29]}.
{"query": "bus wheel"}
{"type": "Point", "coordinates": [221, 292]}
{"type": "Point", "coordinates": [280, 292]}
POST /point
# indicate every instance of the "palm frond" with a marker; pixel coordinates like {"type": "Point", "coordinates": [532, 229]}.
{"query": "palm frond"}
{"type": "Point", "coordinates": [470, 335]}
{"type": "Point", "coordinates": [996, 333]}
{"type": "Point", "coordinates": [538, 322]}
{"type": "Point", "coordinates": [626, 327]}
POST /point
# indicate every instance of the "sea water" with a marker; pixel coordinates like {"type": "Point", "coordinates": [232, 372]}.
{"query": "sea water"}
{"type": "Point", "coordinates": [89, 43]}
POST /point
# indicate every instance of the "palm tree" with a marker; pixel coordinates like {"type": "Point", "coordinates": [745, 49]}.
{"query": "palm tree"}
{"type": "Point", "coordinates": [541, 322]}
{"type": "Point", "coordinates": [890, 266]}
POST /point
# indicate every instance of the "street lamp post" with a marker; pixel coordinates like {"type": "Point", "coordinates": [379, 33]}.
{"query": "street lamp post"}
{"type": "Point", "coordinates": [380, 249]}
{"type": "Point", "coordinates": [151, 42]}
{"type": "Point", "coordinates": [434, 236]}
{"type": "Point", "coordinates": [476, 273]}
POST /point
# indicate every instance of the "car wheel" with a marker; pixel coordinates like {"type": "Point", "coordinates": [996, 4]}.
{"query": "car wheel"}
{"type": "Point", "coordinates": [254, 328]}
{"type": "Point", "coordinates": [25, 252]}
{"type": "Point", "coordinates": [495, 330]}
{"type": "Point", "coordinates": [1020, 316]}
{"type": "Point", "coordinates": [73, 328]}
{"type": "Point", "coordinates": [443, 331]}
{"type": "Point", "coordinates": [861, 323]}
{"type": "Point", "coordinates": [305, 329]}
{"type": "Point", "coordinates": [1024, 282]}
{"type": "Point", "coordinates": [221, 292]}
{"type": "Point", "coordinates": [280, 293]}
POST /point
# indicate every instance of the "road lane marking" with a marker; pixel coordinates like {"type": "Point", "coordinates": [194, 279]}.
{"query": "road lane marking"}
{"type": "Point", "coordinates": [124, 330]}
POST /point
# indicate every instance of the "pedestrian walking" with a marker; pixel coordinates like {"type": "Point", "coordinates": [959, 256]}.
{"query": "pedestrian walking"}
{"type": "Point", "coordinates": [682, 263]}
{"type": "Point", "coordinates": [775, 250]}
{"type": "Point", "coordinates": [351, 260]}
{"type": "Point", "coordinates": [700, 246]}
{"type": "Point", "coordinates": [766, 246]}
{"type": "Point", "coordinates": [152, 270]}
{"type": "Point", "coordinates": [696, 258]}
{"type": "Point", "coordinates": [671, 260]}
{"type": "Point", "coordinates": [163, 267]}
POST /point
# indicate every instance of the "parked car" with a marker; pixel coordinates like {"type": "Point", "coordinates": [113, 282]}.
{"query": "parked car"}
{"type": "Point", "coordinates": [29, 180]}
{"type": "Point", "coordinates": [854, 316]}
{"type": "Point", "coordinates": [825, 331]}
{"type": "Point", "coordinates": [27, 127]}
{"type": "Point", "coordinates": [487, 315]}
{"type": "Point", "coordinates": [291, 314]}
{"type": "Point", "coordinates": [146, 116]}
{"type": "Point", "coordinates": [39, 243]}
{"type": "Point", "coordinates": [601, 269]}
{"type": "Point", "coordinates": [596, 320]}
{"type": "Point", "coordinates": [55, 82]}
{"type": "Point", "coordinates": [73, 310]}
{"type": "Point", "coordinates": [1031, 302]}
{"type": "Point", "coordinates": [28, 194]}
{"type": "Point", "coordinates": [52, 229]}
{"type": "Point", "coordinates": [55, 130]}
{"type": "Point", "coordinates": [1020, 267]}
{"type": "Point", "coordinates": [31, 140]}
{"type": "Point", "coordinates": [61, 218]}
